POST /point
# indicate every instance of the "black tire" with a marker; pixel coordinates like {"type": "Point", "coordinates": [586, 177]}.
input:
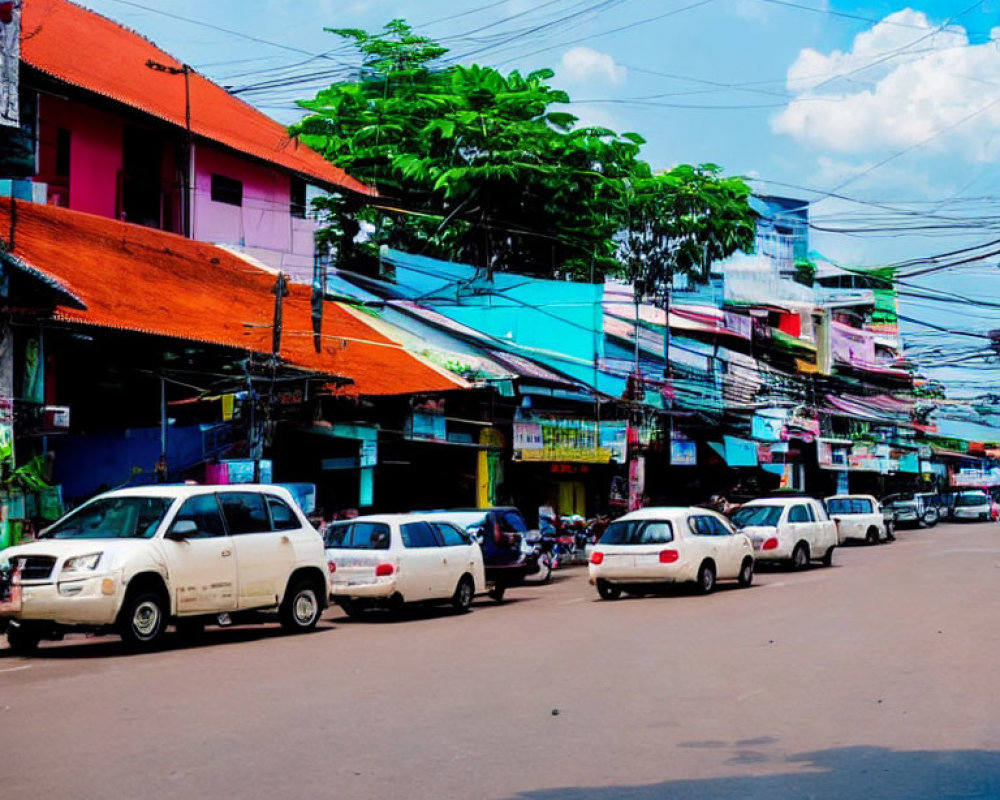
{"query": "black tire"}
{"type": "Point", "coordinates": [608, 591]}
{"type": "Point", "coordinates": [706, 579]}
{"type": "Point", "coordinates": [190, 629]}
{"type": "Point", "coordinates": [745, 578]}
{"type": "Point", "coordinates": [929, 519]}
{"type": "Point", "coordinates": [301, 608]}
{"type": "Point", "coordinates": [497, 592]}
{"type": "Point", "coordinates": [800, 557]}
{"type": "Point", "coordinates": [21, 640]}
{"type": "Point", "coordinates": [461, 601]}
{"type": "Point", "coordinates": [828, 557]}
{"type": "Point", "coordinates": [872, 536]}
{"type": "Point", "coordinates": [143, 618]}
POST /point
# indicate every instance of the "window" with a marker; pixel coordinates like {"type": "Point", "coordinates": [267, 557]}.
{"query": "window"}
{"type": "Point", "coordinates": [244, 512]}
{"type": "Point", "coordinates": [799, 514]}
{"type": "Point", "coordinates": [282, 517]}
{"type": "Point", "coordinates": [418, 534]}
{"type": "Point", "coordinates": [113, 518]}
{"type": "Point", "coordinates": [358, 536]}
{"type": "Point", "coordinates": [62, 152]}
{"type": "Point", "coordinates": [753, 516]}
{"type": "Point", "coordinates": [299, 204]}
{"type": "Point", "coordinates": [450, 535]}
{"type": "Point", "coordinates": [849, 505]}
{"type": "Point", "coordinates": [203, 511]}
{"type": "Point", "coordinates": [638, 532]}
{"type": "Point", "coordinates": [708, 526]}
{"type": "Point", "coordinates": [227, 190]}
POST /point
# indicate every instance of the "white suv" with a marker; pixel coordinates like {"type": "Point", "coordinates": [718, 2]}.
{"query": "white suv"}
{"type": "Point", "coordinates": [793, 530]}
{"type": "Point", "coordinates": [132, 561]}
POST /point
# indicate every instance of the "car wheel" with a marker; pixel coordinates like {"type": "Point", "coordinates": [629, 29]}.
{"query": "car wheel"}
{"type": "Point", "coordinates": [21, 640]}
{"type": "Point", "coordinates": [189, 628]}
{"type": "Point", "coordinates": [301, 608]}
{"type": "Point", "coordinates": [497, 592]}
{"type": "Point", "coordinates": [800, 557]}
{"type": "Point", "coordinates": [142, 619]}
{"type": "Point", "coordinates": [828, 555]}
{"type": "Point", "coordinates": [745, 578]}
{"type": "Point", "coordinates": [872, 536]}
{"type": "Point", "coordinates": [929, 519]}
{"type": "Point", "coordinates": [706, 579]}
{"type": "Point", "coordinates": [464, 592]}
{"type": "Point", "coordinates": [608, 591]}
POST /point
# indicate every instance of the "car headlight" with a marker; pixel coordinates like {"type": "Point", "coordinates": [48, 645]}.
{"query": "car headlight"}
{"type": "Point", "coordinates": [87, 563]}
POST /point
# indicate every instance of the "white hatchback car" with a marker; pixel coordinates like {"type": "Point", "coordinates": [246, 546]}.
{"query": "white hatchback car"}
{"type": "Point", "coordinates": [793, 530]}
{"type": "Point", "coordinates": [669, 545]}
{"type": "Point", "coordinates": [859, 516]}
{"type": "Point", "coordinates": [386, 560]}
{"type": "Point", "coordinates": [133, 560]}
{"type": "Point", "coordinates": [972, 504]}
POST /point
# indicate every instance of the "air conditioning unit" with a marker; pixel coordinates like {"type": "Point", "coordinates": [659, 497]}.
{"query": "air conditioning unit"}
{"type": "Point", "coordinates": [55, 418]}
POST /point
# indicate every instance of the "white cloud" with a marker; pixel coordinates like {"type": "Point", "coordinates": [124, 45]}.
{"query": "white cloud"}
{"type": "Point", "coordinates": [581, 64]}
{"type": "Point", "coordinates": [898, 87]}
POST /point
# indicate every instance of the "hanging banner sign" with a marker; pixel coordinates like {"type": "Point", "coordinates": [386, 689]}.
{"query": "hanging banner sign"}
{"type": "Point", "coordinates": [561, 440]}
{"type": "Point", "coordinates": [852, 346]}
{"type": "Point", "coordinates": [769, 426]}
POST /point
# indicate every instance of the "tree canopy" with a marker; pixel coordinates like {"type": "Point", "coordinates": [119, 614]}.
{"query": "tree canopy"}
{"type": "Point", "coordinates": [473, 165]}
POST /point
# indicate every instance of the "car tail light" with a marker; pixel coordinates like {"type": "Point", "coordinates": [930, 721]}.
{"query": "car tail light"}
{"type": "Point", "coordinates": [597, 557]}
{"type": "Point", "coordinates": [384, 570]}
{"type": "Point", "coordinates": [332, 566]}
{"type": "Point", "coordinates": [669, 556]}
{"type": "Point", "coordinates": [770, 544]}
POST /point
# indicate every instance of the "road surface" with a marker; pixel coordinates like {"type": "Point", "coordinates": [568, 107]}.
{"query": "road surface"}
{"type": "Point", "coordinates": [876, 678]}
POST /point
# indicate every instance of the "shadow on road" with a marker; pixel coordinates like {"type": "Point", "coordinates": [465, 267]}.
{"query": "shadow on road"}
{"type": "Point", "coordinates": [85, 647]}
{"type": "Point", "coordinates": [848, 772]}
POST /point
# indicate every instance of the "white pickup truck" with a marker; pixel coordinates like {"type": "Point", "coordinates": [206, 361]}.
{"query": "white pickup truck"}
{"type": "Point", "coordinates": [793, 530]}
{"type": "Point", "coordinates": [859, 516]}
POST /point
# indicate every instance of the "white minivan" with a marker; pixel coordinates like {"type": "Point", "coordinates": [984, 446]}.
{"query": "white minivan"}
{"type": "Point", "coordinates": [794, 530]}
{"type": "Point", "coordinates": [386, 560]}
{"type": "Point", "coordinates": [133, 561]}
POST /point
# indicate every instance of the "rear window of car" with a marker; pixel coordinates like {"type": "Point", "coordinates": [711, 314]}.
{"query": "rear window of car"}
{"type": "Point", "coordinates": [849, 505]}
{"type": "Point", "coordinates": [358, 536]}
{"type": "Point", "coordinates": [638, 531]}
{"type": "Point", "coordinates": [764, 516]}
{"type": "Point", "coordinates": [972, 499]}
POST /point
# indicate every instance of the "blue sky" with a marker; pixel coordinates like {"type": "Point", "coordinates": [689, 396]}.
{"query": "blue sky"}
{"type": "Point", "coordinates": [881, 102]}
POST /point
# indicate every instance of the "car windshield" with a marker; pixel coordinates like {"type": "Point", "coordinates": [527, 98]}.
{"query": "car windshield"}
{"type": "Point", "coordinates": [758, 516]}
{"type": "Point", "coordinates": [849, 505]}
{"type": "Point", "coordinates": [638, 531]}
{"type": "Point", "coordinates": [113, 518]}
{"type": "Point", "coordinates": [972, 499]}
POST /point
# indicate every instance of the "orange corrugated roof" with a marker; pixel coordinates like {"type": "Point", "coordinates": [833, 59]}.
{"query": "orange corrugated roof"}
{"type": "Point", "coordinates": [91, 52]}
{"type": "Point", "coordinates": [141, 279]}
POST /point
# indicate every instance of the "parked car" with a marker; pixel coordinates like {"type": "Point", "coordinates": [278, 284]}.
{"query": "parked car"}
{"type": "Point", "coordinates": [132, 561]}
{"type": "Point", "coordinates": [386, 560]}
{"type": "Point", "coordinates": [923, 509]}
{"type": "Point", "coordinates": [972, 504]}
{"type": "Point", "coordinates": [669, 545]}
{"type": "Point", "coordinates": [860, 517]}
{"type": "Point", "coordinates": [500, 532]}
{"type": "Point", "coordinates": [793, 530]}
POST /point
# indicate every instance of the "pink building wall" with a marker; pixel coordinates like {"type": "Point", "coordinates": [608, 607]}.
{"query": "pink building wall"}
{"type": "Point", "coordinates": [264, 222]}
{"type": "Point", "coordinates": [95, 155]}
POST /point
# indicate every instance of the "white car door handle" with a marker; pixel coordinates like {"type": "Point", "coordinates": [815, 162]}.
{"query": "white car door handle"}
{"type": "Point", "coordinates": [285, 540]}
{"type": "Point", "coordinates": [226, 553]}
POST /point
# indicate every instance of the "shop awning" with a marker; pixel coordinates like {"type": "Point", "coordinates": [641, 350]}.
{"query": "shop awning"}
{"type": "Point", "coordinates": [133, 278]}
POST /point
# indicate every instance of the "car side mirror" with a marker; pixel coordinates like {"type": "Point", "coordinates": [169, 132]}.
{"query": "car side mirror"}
{"type": "Point", "coordinates": [182, 530]}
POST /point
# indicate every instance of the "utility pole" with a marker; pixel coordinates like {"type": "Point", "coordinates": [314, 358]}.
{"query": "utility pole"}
{"type": "Point", "coordinates": [187, 179]}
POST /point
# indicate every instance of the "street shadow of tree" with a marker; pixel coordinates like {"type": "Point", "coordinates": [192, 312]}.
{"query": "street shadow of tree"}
{"type": "Point", "coordinates": [847, 773]}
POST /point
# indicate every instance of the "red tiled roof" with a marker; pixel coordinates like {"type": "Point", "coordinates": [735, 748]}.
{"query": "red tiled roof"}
{"type": "Point", "coordinates": [141, 279]}
{"type": "Point", "coordinates": [89, 51]}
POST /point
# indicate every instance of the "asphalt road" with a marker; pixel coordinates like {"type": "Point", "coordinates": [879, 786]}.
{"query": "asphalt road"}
{"type": "Point", "coordinates": [877, 678]}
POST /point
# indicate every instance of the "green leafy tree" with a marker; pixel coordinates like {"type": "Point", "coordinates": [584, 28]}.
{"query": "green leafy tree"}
{"type": "Point", "coordinates": [476, 166]}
